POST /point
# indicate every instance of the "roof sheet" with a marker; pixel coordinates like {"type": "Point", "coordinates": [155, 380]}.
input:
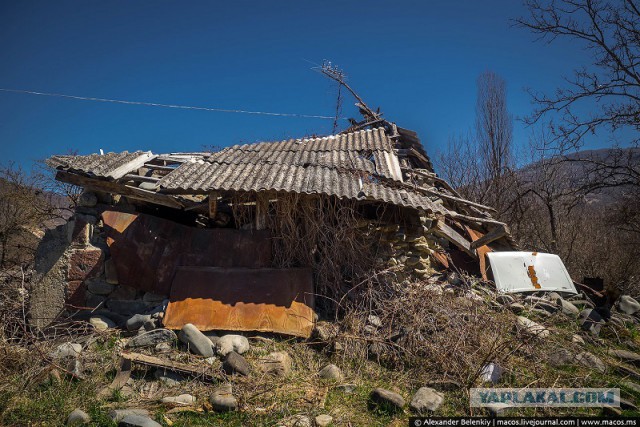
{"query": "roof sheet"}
{"type": "Point", "coordinates": [102, 165]}
{"type": "Point", "coordinates": [205, 177]}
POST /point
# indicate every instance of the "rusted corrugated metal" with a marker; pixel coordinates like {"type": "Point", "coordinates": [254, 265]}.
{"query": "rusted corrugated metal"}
{"type": "Point", "coordinates": [263, 300]}
{"type": "Point", "coordinates": [206, 177]}
{"type": "Point", "coordinates": [100, 165]}
{"type": "Point", "coordinates": [146, 250]}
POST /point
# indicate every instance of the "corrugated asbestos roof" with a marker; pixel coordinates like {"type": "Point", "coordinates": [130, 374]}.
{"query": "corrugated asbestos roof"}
{"type": "Point", "coordinates": [101, 165]}
{"type": "Point", "coordinates": [205, 177]}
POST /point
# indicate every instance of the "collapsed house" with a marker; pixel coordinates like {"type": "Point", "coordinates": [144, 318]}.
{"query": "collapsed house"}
{"type": "Point", "coordinates": [256, 237]}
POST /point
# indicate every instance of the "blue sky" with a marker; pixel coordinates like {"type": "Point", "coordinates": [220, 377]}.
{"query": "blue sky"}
{"type": "Point", "coordinates": [417, 60]}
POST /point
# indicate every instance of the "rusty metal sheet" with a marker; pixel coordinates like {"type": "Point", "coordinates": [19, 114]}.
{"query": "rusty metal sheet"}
{"type": "Point", "coordinates": [263, 300]}
{"type": "Point", "coordinates": [146, 250]}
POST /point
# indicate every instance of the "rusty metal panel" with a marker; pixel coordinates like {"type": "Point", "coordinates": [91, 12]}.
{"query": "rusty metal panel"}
{"type": "Point", "coordinates": [146, 250]}
{"type": "Point", "coordinates": [263, 300]}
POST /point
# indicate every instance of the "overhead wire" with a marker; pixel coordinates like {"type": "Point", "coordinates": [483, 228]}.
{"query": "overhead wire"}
{"type": "Point", "coordinates": [181, 107]}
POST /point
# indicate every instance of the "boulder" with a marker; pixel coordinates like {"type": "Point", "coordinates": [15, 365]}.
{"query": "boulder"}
{"type": "Point", "coordinates": [101, 323]}
{"type": "Point", "coordinates": [331, 372]}
{"type": "Point", "coordinates": [222, 399]}
{"type": "Point", "coordinates": [228, 343]}
{"type": "Point", "coordinates": [591, 321]}
{"type": "Point", "coordinates": [99, 287]}
{"type": "Point", "coordinates": [196, 341]}
{"type": "Point", "coordinates": [236, 364]}
{"type": "Point", "coordinates": [627, 305]}
{"type": "Point", "coordinates": [426, 399]}
{"type": "Point", "coordinates": [78, 417]}
{"type": "Point", "coordinates": [492, 373]}
{"type": "Point", "coordinates": [532, 328]}
{"type": "Point", "coordinates": [136, 321]}
{"type": "Point", "coordinates": [183, 399]}
{"type": "Point", "coordinates": [67, 349]}
{"type": "Point", "coordinates": [276, 363]}
{"type": "Point", "coordinates": [138, 421]}
{"type": "Point", "coordinates": [386, 400]}
{"type": "Point", "coordinates": [591, 361]}
{"type": "Point", "coordinates": [568, 308]}
{"type": "Point", "coordinates": [323, 420]}
{"type": "Point", "coordinates": [152, 338]}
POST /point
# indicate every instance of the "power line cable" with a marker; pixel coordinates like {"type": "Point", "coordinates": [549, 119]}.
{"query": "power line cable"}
{"type": "Point", "coordinates": [181, 107]}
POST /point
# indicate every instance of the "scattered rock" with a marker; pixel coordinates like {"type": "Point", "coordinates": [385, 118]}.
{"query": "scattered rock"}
{"type": "Point", "coordinates": [197, 342]}
{"type": "Point", "coordinates": [222, 399]}
{"type": "Point", "coordinates": [426, 399]}
{"type": "Point", "coordinates": [100, 287]}
{"type": "Point", "coordinates": [554, 297]}
{"type": "Point", "coordinates": [577, 339]}
{"type": "Point", "coordinates": [236, 364]}
{"type": "Point", "coordinates": [492, 373]}
{"type": "Point", "coordinates": [325, 331]}
{"type": "Point", "coordinates": [323, 420]}
{"type": "Point", "coordinates": [568, 308]}
{"type": "Point", "coordinates": [591, 321]}
{"type": "Point", "coordinates": [532, 328]}
{"type": "Point", "coordinates": [67, 349]}
{"type": "Point", "coordinates": [118, 414]}
{"type": "Point", "coordinates": [152, 338]}
{"type": "Point", "coordinates": [136, 321]}
{"type": "Point", "coordinates": [101, 323]}
{"type": "Point", "coordinates": [628, 305]}
{"type": "Point", "coordinates": [591, 361]}
{"type": "Point", "coordinates": [78, 417]}
{"type": "Point", "coordinates": [627, 356]}
{"type": "Point", "coordinates": [374, 320]}
{"type": "Point", "coordinates": [163, 347]}
{"type": "Point", "coordinates": [168, 378]}
{"type": "Point", "coordinates": [138, 421]}
{"type": "Point", "coordinates": [228, 343]}
{"type": "Point", "coordinates": [299, 421]}
{"type": "Point", "coordinates": [560, 357]}
{"type": "Point", "coordinates": [386, 400]}
{"type": "Point", "coordinates": [276, 363]}
{"type": "Point", "coordinates": [331, 372]}
{"type": "Point", "coordinates": [183, 399]}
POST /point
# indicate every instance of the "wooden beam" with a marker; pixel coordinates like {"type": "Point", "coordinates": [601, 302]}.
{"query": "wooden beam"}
{"type": "Point", "coordinates": [203, 371]}
{"type": "Point", "coordinates": [467, 218]}
{"type": "Point", "coordinates": [213, 204]}
{"type": "Point", "coordinates": [493, 235]}
{"type": "Point", "coordinates": [116, 188]}
{"type": "Point", "coordinates": [443, 230]}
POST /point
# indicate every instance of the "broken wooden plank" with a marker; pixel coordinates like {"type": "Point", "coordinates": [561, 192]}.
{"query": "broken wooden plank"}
{"type": "Point", "coordinates": [443, 230]}
{"type": "Point", "coordinates": [123, 374]}
{"type": "Point", "coordinates": [117, 188]}
{"type": "Point", "coordinates": [467, 218]}
{"type": "Point", "coordinates": [201, 372]}
{"type": "Point", "coordinates": [493, 235]}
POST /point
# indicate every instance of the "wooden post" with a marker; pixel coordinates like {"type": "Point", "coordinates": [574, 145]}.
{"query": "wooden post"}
{"type": "Point", "coordinates": [262, 208]}
{"type": "Point", "coordinates": [213, 204]}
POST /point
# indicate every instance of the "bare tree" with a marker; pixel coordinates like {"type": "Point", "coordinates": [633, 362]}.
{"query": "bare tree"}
{"type": "Point", "coordinates": [606, 93]}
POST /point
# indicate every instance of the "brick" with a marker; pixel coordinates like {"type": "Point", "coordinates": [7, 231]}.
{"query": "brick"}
{"type": "Point", "coordinates": [75, 293]}
{"type": "Point", "coordinates": [85, 263]}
